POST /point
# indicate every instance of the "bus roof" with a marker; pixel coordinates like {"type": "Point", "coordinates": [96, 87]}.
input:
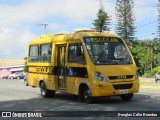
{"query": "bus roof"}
{"type": "Point", "coordinates": [77, 34]}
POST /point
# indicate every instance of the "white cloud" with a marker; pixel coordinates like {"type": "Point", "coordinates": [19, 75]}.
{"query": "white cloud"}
{"type": "Point", "coordinates": [145, 9]}
{"type": "Point", "coordinates": [80, 11]}
{"type": "Point", "coordinates": [14, 33]}
{"type": "Point", "coordinates": [16, 19]}
{"type": "Point", "coordinates": [30, 11]}
{"type": "Point", "coordinates": [77, 10]}
{"type": "Point", "coordinates": [34, 10]}
{"type": "Point", "coordinates": [14, 42]}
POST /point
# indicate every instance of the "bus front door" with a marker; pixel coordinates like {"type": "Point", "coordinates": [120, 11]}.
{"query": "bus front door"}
{"type": "Point", "coordinates": [61, 67]}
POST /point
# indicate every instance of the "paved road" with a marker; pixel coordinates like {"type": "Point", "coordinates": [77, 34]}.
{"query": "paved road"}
{"type": "Point", "coordinates": [14, 96]}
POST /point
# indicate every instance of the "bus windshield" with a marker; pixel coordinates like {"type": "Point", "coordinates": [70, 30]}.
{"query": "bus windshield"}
{"type": "Point", "coordinates": [107, 50]}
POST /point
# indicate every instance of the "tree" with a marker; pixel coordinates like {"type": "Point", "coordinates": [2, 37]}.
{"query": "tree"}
{"type": "Point", "coordinates": [125, 20]}
{"type": "Point", "coordinates": [156, 51]}
{"type": "Point", "coordinates": [140, 55]}
{"type": "Point", "coordinates": [146, 54]}
{"type": "Point", "coordinates": [25, 69]}
{"type": "Point", "coordinates": [103, 20]}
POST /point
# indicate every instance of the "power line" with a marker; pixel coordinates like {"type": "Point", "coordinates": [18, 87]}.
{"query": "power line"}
{"type": "Point", "coordinates": [146, 5]}
{"type": "Point", "coordinates": [147, 35]}
{"type": "Point", "coordinates": [146, 24]}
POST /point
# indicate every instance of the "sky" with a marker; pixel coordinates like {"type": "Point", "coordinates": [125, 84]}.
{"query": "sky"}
{"type": "Point", "coordinates": [20, 20]}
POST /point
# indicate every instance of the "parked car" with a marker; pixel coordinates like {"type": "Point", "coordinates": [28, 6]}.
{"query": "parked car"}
{"type": "Point", "coordinates": [17, 75]}
{"type": "Point", "coordinates": [157, 76]}
{"type": "Point", "coordinates": [4, 77]}
{"type": "Point", "coordinates": [26, 80]}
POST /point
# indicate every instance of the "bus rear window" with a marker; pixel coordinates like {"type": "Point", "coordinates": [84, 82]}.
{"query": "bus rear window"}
{"type": "Point", "coordinates": [40, 53]}
{"type": "Point", "coordinates": [33, 55]}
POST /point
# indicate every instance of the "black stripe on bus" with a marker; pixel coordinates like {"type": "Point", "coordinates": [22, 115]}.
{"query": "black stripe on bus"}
{"type": "Point", "coordinates": [77, 72]}
{"type": "Point", "coordinates": [49, 70]}
{"type": "Point", "coordinates": [58, 70]}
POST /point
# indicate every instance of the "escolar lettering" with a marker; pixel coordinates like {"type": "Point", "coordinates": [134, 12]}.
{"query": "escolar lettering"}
{"type": "Point", "coordinates": [31, 69]}
{"type": "Point", "coordinates": [47, 70]}
{"type": "Point", "coordinates": [103, 39]}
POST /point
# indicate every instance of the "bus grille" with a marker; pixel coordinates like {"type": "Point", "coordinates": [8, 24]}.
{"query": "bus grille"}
{"type": "Point", "coordinates": [120, 77]}
{"type": "Point", "coordinates": [123, 86]}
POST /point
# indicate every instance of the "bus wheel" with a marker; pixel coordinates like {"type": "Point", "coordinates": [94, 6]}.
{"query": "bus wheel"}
{"type": "Point", "coordinates": [25, 82]}
{"type": "Point", "coordinates": [127, 96]}
{"type": "Point", "coordinates": [87, 95]}
{"type": "Point", "coordinates": [46, 93]}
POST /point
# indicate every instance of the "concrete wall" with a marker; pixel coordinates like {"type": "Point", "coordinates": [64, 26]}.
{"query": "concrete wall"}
{"type": "Point", "coordinates": [11, 61]}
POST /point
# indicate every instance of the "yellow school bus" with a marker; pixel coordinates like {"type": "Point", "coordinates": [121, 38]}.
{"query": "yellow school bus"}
{"type": "Point", "coordinates": [85, 63]}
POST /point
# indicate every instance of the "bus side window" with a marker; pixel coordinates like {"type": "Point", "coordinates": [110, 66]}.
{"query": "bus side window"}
{"type": "Point", "coordinates": [33, 55]}
{"type": "Point", "coordinates": [45, 53]}
{"type": "Point", "coordinates": [80, 53]}
{"type": "Point", "coordinates": [76, 53]}
{"type": "Point", "coordinates": [72, 54]}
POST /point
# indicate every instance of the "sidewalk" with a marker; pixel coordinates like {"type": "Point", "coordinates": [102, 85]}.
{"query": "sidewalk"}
{"type": "Point", "coordinates": [149, 83]}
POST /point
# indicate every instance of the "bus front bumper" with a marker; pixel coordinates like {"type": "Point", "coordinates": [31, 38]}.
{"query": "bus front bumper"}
{"type": "Point", "coordinates": [111, 89]}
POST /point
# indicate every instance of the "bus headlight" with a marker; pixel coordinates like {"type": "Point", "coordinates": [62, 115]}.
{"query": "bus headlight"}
{"type": "Point", "coordinates": [99, 76]}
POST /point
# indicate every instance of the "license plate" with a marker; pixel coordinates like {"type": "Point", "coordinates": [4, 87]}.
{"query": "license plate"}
{"type": "Point", "coordinates": [124, 91]}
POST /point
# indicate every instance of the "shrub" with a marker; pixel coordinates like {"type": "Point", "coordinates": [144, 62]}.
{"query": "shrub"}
{"type": "Point", "coordinates": [152, 72]}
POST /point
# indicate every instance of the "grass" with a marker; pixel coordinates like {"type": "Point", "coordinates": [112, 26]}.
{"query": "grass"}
{"type": "Point", "coordinates": [149, 83]}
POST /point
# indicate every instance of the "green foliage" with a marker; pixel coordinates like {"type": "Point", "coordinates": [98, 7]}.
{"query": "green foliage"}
{"type": "Point", "coordinates": [147, 55]}
{"type": "Point", "coordinates": [152, 72]}
{"type": "Point", "coordinates": [146, 52]}
{"type": "Point", "coordinates": [25, 69]}
{"type": "Point", "coordinates": [157, 58]}
{"type": "Point", "coordinates": [125, 20]}
{"type": "Point", "coordinates": [102, 22]}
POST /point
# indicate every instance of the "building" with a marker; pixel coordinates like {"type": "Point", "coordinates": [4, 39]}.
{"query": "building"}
{"type": "Point", "coordinates": [10, 65]}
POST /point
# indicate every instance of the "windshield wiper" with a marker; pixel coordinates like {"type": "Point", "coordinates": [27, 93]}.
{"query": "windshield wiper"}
{"type": "Point", "coordinates": [103, 60]}
{"type": "Point", "coordinates": [107, 60]}
{"type": "Point", "coordinates": [121, 59]}
{"type": "Point", "coordinates": [116, 59]}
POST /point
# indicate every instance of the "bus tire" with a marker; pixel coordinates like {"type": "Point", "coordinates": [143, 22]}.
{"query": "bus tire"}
{"type": "Point", "coordinates": [127, 97]}
{"type": "Point", "coordinates": [25, 82]}
{"type": "Point", "coordinates": [86, 95]}
{"type": "Point", "coordinates": [46, 93]}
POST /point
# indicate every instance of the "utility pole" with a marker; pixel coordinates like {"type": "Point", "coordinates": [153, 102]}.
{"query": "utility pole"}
{"type": "Point", "coordinates": [45, 26]}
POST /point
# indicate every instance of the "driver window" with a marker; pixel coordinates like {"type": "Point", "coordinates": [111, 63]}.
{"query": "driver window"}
{"type": "Point", "coordinates": [120, 52]}
{"type": "Point", "coordinates": [76, 53]}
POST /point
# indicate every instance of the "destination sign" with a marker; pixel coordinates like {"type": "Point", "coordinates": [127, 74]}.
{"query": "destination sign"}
{"type": "Point", "coordinates": [101, 39]}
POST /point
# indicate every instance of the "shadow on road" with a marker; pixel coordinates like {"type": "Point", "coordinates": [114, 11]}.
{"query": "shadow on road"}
{"type": "Point", "coordinates": [66, 105]}
{"type": "Point", "coordinates": [63, 101]}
